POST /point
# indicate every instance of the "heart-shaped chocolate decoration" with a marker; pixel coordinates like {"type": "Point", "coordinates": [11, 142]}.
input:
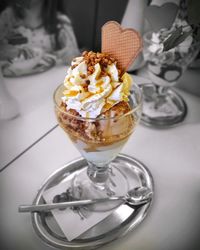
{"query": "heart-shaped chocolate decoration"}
{"type": "Point", "coordinates": [123, 44]}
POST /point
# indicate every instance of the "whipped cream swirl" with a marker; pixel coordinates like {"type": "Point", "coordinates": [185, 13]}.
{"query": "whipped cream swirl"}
{"type": "Point", "coordinates": [94, 93]}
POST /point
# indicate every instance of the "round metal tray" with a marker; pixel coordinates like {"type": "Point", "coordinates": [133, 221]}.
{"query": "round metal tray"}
{"type": "Point", "coordinates": [168, 121]}
{"type": "Point", "coordinates": [122, 220]}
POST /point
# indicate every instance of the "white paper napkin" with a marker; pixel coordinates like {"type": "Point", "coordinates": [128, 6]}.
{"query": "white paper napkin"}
{"type": "Point", "coordinates": [73, 223]}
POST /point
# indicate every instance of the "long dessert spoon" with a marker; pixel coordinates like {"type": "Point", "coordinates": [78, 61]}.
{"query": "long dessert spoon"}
{"type": "Point", "coordinates": [134, 197]}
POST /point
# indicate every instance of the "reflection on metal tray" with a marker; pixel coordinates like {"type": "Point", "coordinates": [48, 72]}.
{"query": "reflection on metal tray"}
{"type": "Point", "coordinates": [120, 222]}
{"type": "Point", "coordinates": [46, 62]}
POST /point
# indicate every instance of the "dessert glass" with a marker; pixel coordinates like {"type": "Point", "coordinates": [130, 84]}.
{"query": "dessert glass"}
{"type": "Point", "coordinates": [162, 106]}
{"type": "Point", "coordinates": [99, 140]}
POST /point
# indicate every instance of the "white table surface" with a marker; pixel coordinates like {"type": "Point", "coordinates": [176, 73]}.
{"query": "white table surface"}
{"type": "Point", "coordinates": [34, 95]}
{"type": "Point", "coordinates": [32, 148]}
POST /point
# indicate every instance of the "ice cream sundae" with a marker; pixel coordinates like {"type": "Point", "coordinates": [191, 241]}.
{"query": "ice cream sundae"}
{"type": "Point", "coordinates": [168, 52]}
{"type": "Point", "coordinates": [94, 108]}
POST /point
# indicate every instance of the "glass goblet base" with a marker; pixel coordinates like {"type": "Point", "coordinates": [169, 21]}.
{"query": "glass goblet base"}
{"type": "Point", "coordinates": [162, 107]}
{"type": "Point", "coordinates": [116, 184]}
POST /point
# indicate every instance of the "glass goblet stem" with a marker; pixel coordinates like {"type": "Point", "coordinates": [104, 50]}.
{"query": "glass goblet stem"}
{"type": "Point", "coordinates": [162, 90]}
{"type": "Point", "coordinates": [98, 175]}
{"type": "Point", "coordinates": [160, 96]}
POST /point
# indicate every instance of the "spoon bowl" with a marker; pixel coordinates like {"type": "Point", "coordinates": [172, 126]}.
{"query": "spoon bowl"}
{"type": "Point", "coordinates": [139, 196]}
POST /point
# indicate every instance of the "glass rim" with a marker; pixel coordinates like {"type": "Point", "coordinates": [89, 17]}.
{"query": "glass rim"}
{"type": "Point", "coordinates": [146, 39]}
{"type": "Point", "coordinates": [133, 110]}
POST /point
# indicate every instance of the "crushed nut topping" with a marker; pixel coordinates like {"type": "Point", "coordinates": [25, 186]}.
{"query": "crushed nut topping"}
{"type": "Point", "coordinates": [91, 58]}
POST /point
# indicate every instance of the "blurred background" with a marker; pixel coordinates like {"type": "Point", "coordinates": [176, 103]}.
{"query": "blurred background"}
{"type": "Point", "coordinates": [38, 39]}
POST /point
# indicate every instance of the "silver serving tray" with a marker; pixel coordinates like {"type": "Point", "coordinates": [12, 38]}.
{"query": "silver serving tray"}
{"type": "Point", "coordinates": [119, 223]}
{"type": "Point", "coordinates": [168, 121]}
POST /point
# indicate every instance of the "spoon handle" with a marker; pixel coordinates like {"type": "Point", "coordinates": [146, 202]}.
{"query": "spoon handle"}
{"type": "Point", "coordinates": [48, 207]}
